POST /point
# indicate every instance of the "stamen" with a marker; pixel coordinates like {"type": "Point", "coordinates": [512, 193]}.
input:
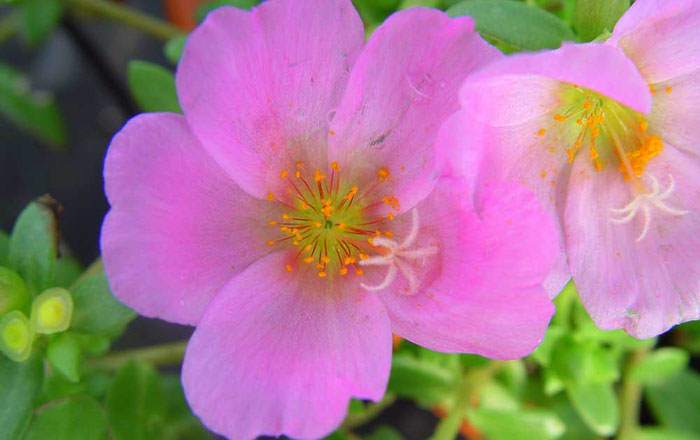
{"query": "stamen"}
{"type": "Point", "coordinates": [645, 202]}
{"type": "Point", "coordinates": [396, 258]}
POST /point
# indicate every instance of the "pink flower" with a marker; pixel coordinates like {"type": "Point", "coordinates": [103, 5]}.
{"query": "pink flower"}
{"type": "Point", "coordinates": [295, 216]}
{"type": "Point", "coordinates": [608, 135]}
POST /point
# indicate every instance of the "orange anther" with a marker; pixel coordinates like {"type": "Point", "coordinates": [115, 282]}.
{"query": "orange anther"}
{"type": "Point", "coordinates": [288, 267]}
{"type": "Point", "coordinates": [318, 176]}
{"type": "Point", "coordinates": [541, 132]}
{"type": "Point", "coordinates": [383, 174]}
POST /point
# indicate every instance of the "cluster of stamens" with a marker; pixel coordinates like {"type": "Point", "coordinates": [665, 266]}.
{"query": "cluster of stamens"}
{"type": "Point", "coordinates": [610, 131]}
{"type": "Point", "coordinates": [330, 222]}
{"type": "Point", "coordinates": [615, 133]}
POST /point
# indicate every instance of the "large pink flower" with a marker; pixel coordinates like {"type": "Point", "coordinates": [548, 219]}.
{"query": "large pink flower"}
{"type": "Point", "coordinates": [295, 214]}
{"type": "Point", "coordinates": [608, 135]}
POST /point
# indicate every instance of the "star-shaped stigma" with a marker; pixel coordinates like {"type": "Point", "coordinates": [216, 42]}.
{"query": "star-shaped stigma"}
{"type": "Point", "coordinates": [397, 256]}
{"type": "Point", "coordinates": [656, 198]}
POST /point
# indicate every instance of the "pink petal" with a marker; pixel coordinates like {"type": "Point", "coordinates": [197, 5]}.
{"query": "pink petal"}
{"type": "Point", "coordinates": [505, 92]}
{"type": "Point", "coordinates": [258, 87]}
{"type": "Point", "coordinates": [644, 287]}
{"type": "Point", "coordinates": [179, 227]}
{"type": "Point", "coordinates": [483, 294]}
{"type": "Point", "coordinates": [662, 38]}
{"type": "Point", "coordinates": [403, 86]}
{"type": "Point", "coordinates": [276, 353]}
{"type": "Point", "coordinates": [675, 115]}
{"type": "Point", "coordinates": [512, 153]}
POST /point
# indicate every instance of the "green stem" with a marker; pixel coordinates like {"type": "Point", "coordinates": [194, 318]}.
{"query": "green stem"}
{"type": "Point", "coordinates": [158, 355]}
{"type": "Point", "coordinates": [353, 421]}
{"type": "Point", "coordinates": [630, 397]}
{"type": "Point", "coordinates": [448, 428]}
{"type": "Point", "coordinates": [126, 15]}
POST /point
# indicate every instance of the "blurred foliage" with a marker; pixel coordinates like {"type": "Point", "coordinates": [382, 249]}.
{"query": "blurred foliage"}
{"type": "Point", "coordinates": [581, 383]}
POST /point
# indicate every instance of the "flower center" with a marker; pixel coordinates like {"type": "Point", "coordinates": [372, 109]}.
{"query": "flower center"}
{"type": "Point", "coordinates": [614, 135]}
{"type": "Point", "coordinates": [330, 221]}
{"type": "Point", "coordinates": [611, 132]}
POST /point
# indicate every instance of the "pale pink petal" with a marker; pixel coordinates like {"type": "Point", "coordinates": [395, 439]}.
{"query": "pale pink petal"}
{"type": "Point", "coordinates": [508, 91]}
{"type": "Point", "coordinates": [277, 353]}
{"type": "Point", "coordinates": [675, 115]}
{"type": "Point", "coordinates": [258, 87]}
{"type": "Point", "coordinates": [179, 228]}
{"type": "Point", "coordinates": [642, 286]}
{"type": "Point", "coordinates": [403, 86]}
{"type": "Point", "coordinates": [481, 293]}
{"type": "Point", "coordinates": [661, 37]}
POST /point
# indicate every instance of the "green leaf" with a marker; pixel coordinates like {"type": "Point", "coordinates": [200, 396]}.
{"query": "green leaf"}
{"type": "Point", "coordinates": [66, 271]}
{"type": "Point", "coordinates": [583, 361]}
{"type": "Point", "coordinates": [4, 248]}
{"type": "Point", "coordinates": [405, 4]}
{"type": "Point", "coordinates": [676, 402]}
{"type": "Point", "coordinates": [181, 423]}
{"type": "Point", "coordinates": [203, 10]}
{"type": "Point", "coordinates": [57, 386]}
{"type": "Point", "coordinates": [39, 18]}
{"type": "Point", "coordinates": [153, 87]}
{"type": "Point", "coordinates": [75, 418]}
{"type": "Point", "coordinates": [385, 432]}
{"type": "Point", "coordinates": [95, 310]}
{"type": "Point", "coordinates": [34, 244]}
{"type": "Point", "coordinates": [596, 404]}
{"type": "Point", "coordinates": [63, 353]}
{"type": "Point", "coordinates": [594, 17]}
{"type": "Point", "coordinates": [521, 424]}
{"type": "Point", "coordinates": [174, 47]}
{"type": "Point", "coordinates": [660, 365]}
{"type": "Point", "coordinates": [20, 383]}
{"type": "Point", "coordinates": [136, 405]}
{"type": "Point", "coordinates": [513, 25]}
{"type": "Point", "coordinates": [664, 434]}
{"type": "Point", "coordinates": [420, 379]}
{"type": "Point", "coordinates": [33, 111]}
{"type": "Point", "coordinates": [13, 292]}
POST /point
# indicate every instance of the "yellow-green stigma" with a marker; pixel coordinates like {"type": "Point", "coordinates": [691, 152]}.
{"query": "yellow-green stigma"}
{"type": "Point", "coordinates": [612, 133]}
{"type": "Point", "coordinates": [330, 221]}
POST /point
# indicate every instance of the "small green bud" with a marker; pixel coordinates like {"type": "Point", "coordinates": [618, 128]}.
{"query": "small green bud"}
{"type": "Point", "coordinates": [13, 292]}
{"type": "Point", "coordinates": [16, 336]}
{"type": "Point", "coordinates": [52, 311]}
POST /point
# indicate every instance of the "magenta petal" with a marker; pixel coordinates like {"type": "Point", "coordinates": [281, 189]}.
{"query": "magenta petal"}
{"type": "Point", "coordinates": [642, 285]}
{"type": "Point", "coordinates": [662, 38]}
{"type": "Point", "coordinates": [179, 228]}
{"type": "Point", "coordinates": [485, 294]}
{"type": "Point", "coordinates": [401, 89]}
{"type": "Point", "coordinates": [467, 147]}
{"type": "Point", "coordinates": [277, 354]}
{"type": "Point", "coordinates": [522, 80]}
{"type": "Point", "coordinates": [258, 87]}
